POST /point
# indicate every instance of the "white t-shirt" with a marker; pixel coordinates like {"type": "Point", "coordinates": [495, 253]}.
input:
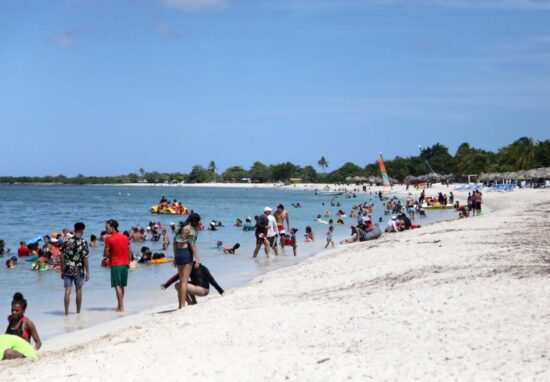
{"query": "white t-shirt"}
{"type": "Point", "coordinates": [272, 226]}
{"type": "Point", "coordinates": [392, 226]}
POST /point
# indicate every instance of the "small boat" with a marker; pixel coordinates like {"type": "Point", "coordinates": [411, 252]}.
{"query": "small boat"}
{"type": "Point", "coordinates": [330, 193]}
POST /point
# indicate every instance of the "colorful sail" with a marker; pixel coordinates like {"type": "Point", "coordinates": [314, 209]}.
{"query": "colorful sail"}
{"type": "Point", "coordinates": [385, 178]}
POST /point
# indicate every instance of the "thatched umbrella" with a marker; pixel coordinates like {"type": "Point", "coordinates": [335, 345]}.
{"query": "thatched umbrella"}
{"type": "Point", "coordinates": [545, 173]}
{"type": "Point", "coordinates": [531, 174]}
{"type": "Point", "coordinates": [349, 178]}
{"type": "Point", "coordinates": [372, 179]}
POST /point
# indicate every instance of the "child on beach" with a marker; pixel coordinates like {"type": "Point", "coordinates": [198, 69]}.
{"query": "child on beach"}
{"type": "Point", "coordinates": [329, 236]}
{"type": "Point", "coordinates": [310, 236]}
{"type": "Point", "coordinates": [293, 241]}
{"type": "Point", "coordinates": [165, 240]}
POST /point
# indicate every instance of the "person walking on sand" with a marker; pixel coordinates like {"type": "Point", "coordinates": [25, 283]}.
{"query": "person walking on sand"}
{"type": "Point", "coordinates": [185, 249]}
{"type": "Point", "coordinates": [280, 217]}
{"type": "Point", "coordinates": [74, 266]}
{"type": "Point", "coordinates": [119, 253]}
{"type": "Point", "coordinates": [329, 236]}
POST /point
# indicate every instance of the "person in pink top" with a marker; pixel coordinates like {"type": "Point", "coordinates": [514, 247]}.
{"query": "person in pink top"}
{"type": "Point", "coordinates": [119, 253]}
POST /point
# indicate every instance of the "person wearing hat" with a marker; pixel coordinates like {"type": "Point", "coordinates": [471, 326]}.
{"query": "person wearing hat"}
{"type": "Point", "coordinates": [119, 253]}
{"type": "Point", "coordinates": [393, 225]}
{"type": "Point", "coordinates": [272, 230]}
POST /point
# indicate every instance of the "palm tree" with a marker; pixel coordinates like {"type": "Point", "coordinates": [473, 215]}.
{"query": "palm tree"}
{"type": "Point", "coordinates": [323, 163]}
{"type": "Point", "coordinates": [212, 167]}
{"type": "Point", "coordinates": [526, 153]}
{"type": "Point", "coordinates": [142, 172]}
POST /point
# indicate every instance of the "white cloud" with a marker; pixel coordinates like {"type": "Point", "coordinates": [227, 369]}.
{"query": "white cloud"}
{"type": "Point", "coordinates": [303, 5]}
{"type": "Point", "coordinates": [195, 5]}
{"type": "Point", "coordinates": [67, 39]}
{"type": "Point", "coordinates": [167, 31]}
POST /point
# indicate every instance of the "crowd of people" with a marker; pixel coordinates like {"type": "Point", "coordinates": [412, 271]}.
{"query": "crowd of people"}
{"type": "Point", "coordinates": [68, 251]}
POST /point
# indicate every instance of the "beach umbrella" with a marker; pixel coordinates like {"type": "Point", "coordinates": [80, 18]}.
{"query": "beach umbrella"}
{"type": "Point", "coordinates": [372, 179]}
{"type": "Point", "coordinates": [545, 173]}
{"type": "Point", "coordinates": [349, 178]}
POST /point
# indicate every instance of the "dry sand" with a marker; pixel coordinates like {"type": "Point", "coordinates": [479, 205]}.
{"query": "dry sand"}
{"type": "Point", "coordinates": [460, 300]}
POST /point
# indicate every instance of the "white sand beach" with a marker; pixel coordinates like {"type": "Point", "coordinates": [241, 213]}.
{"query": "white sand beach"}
{"type": "Point", "coordinates": [458, 300]}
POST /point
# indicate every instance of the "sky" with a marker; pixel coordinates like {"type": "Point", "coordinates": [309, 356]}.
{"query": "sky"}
{"type": "Point", "coordinates": [99, 87]}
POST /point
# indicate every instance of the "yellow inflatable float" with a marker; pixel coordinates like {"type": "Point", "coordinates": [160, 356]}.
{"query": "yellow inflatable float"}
{"type": "Point", "coordinates": [169, 210]}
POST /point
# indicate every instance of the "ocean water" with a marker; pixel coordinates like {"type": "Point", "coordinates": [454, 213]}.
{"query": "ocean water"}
{"type": "Point", "coordinates": [29, 211]}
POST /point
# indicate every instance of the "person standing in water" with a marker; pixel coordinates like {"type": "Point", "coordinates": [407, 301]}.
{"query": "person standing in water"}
{"type": "Point", "coordinates": [119, 253]}
{"type": "Point", "coordinates": [280, 217]}
{"type": "Point", "coordinates": [74, 266]}
{"type": "Point", "coordinates": [185, 249]}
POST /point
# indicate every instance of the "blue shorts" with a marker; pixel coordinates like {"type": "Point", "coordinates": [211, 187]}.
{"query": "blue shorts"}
{"type": "Point", "coordinates": [183, 256]}
{"type": "Point", "coordinates": [78, 281]}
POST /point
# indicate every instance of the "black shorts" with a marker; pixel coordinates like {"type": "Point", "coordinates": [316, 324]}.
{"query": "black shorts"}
{"type": "Point", "coordinates": [272, 241]}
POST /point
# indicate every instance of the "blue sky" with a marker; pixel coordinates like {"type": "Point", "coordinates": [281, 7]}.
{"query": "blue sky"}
{"type": "Point", "coordinates": [106, 87]}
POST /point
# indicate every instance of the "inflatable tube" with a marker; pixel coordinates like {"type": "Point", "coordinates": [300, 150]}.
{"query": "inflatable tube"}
{"type": "Point", "coordinates": [168, 211]}
{"type": "Point", "coordinates": [41, 269]}
{"type": "Point", "coordinates": [34, 240]}
{"type": "Point", "coordinates": [11, 342]}
{"type": "Point", "coordinates": [374, 233]}
{"type": "Point", "coordinates": [438, 207]}
{"type": "Point", "coordinates": [160, 261]}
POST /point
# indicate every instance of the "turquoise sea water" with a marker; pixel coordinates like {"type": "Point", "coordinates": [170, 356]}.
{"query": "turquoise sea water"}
{"type": "Point", "coordinates": [29, 211]}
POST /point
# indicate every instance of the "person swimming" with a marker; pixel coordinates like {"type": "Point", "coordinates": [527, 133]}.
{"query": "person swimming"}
{"type": "Point", "coordinates": [231, 250]}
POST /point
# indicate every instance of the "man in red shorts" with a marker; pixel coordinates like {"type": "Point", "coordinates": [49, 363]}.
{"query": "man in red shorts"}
{"type": "Point", "coordinates": [119, 253]}
{"type": "Point", "coordinates": [280, 217]}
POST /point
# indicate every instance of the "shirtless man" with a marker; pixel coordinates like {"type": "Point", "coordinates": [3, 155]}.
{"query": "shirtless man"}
{"type": "Point", "coordinates": [280, 216]}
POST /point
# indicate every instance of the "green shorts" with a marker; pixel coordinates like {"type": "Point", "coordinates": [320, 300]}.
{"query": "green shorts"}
{"type": "Point", "coordinates": [119, 276]}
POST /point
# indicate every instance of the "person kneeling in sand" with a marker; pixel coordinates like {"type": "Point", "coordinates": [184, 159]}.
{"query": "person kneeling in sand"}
{"type": "Point", "coordinates": [199, 284]}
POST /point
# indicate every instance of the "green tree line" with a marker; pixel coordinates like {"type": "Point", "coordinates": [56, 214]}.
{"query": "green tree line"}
{"type": "Point", "coordinates": [522, 154]}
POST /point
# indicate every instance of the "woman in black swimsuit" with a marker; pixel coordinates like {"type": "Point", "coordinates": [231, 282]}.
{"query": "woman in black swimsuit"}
{"type": "Point", "coordinates": [19, 325]}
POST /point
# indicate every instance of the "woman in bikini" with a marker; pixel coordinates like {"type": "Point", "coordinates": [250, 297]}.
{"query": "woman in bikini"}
{"type": "Point", "coordinates": [19, 325]}
{"type": "Point", "coordinates": [185, 250]}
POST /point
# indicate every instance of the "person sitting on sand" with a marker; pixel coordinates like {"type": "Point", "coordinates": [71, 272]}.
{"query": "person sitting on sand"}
{"type": "Point", "coordinates": [393, 225]}
{"type": "Point", "coordinates": [231, 250]}
{"type": "Point", "coordinates": [22, 326]}
{"type": "Point", "coordinates": [198, 285]}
